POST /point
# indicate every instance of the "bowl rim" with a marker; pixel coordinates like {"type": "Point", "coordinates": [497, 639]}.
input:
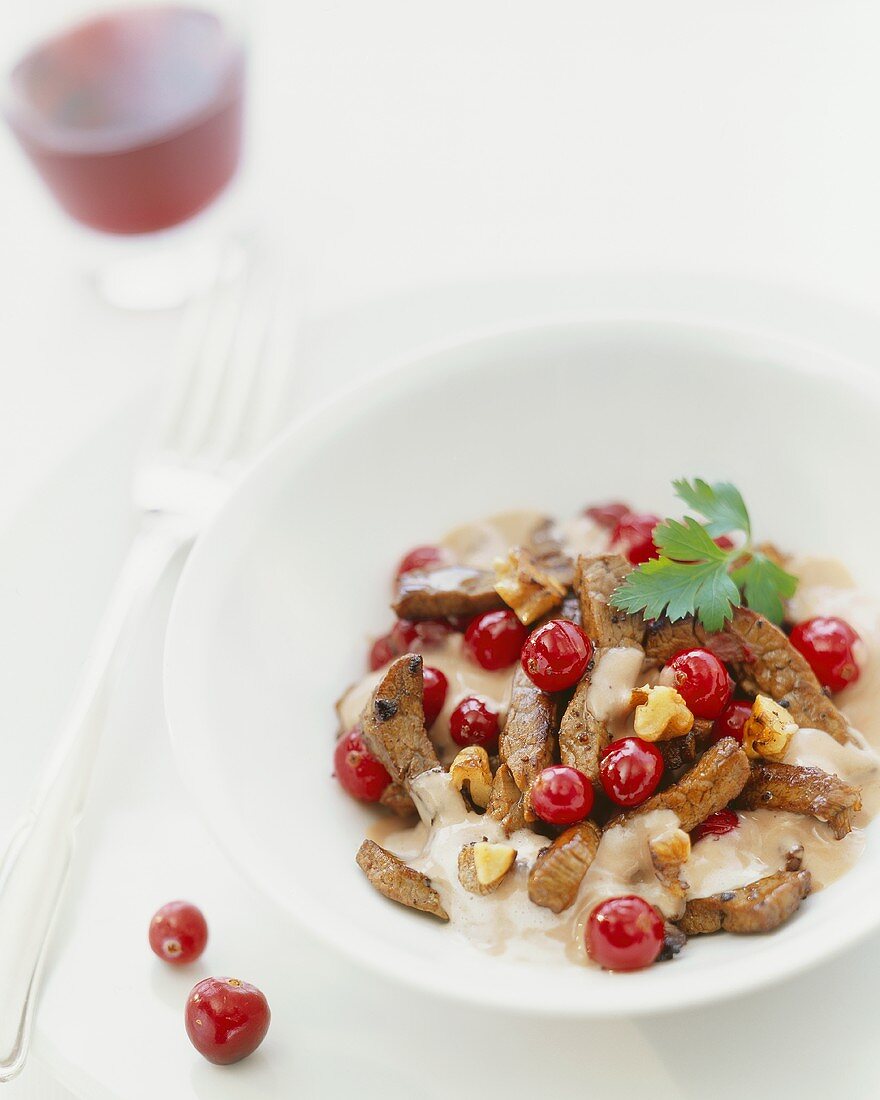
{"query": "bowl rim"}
{"type": "Point", "coordinates": [409, 371]}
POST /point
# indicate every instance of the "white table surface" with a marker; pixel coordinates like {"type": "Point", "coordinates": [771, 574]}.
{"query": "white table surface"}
{"type": "Point", "coordinates": [395, 152]}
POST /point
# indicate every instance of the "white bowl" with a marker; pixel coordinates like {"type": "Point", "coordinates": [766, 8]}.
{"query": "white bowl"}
{"type": "Point", "coordinates": [272, 616]}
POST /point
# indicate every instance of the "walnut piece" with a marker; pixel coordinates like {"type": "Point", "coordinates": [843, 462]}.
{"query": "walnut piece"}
{"type": "Point", "coordinates": [472, 775]}
{"type": "Point", "coordinates": [661, 713]}
{"type": "Point", "coordinates": [482, 866]}
{"type": "Point", "coordinates": [525, 587]}
{"type": "Point", "coordinates": [670, 851]}
{"type": "Point", "coordinates": [768, 730]}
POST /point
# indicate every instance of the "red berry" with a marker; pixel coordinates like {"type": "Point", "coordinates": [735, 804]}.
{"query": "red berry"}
{"type": "Point", "coordinates": [420, 557]}
{"type": "Point", "coordinates": [624, 933]}
{"type": "Point", "coordinates": [634, 534]}
{"type": "Point", "coordinates": [473, 723]}
{"type": "Point", "coordinates": [226, 1019]}
{"type": "Point", "coordinates": [433, 694]}
{"type": "Point", "coordinates": [827, 643]}
{"type": "Point", "coordinates": [702, 681]}
{"type": "Point", "coordinates": [178, 932]}
{"type": "Point", "coordinates": [359, 773]}
{"type": "Point", "coordinates": [495, 639]}
{"type": "Point", "coordinates": [562, 795]}
{"type": "Point", "coordinates": [608, 514]}
{"type": "Point", "coordinates": [630, 770]}
{"type": "Point", "coordinates": [723, 542]}
{"type": "Point", "coordinates": [725, 821]}
{"type": "Point", "coordinates": [408, 637]}
{"type": "Point", "coordinates": [731, 720]}
{"type": "Point", "coordinates": [556, 655]}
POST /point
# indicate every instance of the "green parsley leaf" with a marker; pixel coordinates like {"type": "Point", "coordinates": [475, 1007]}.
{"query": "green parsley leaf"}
{"type": "Point", "coordinates": [687, 541]}
{"type": "Point", "coordinates": [722, 505]}
{"type": "Point", "coordinates": [676, 589]}
{"type": "Point", "coordinates": [765, 585]}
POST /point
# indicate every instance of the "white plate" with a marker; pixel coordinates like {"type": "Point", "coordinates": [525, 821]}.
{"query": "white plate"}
{"type": "Point", "coordinates": [271, 618]}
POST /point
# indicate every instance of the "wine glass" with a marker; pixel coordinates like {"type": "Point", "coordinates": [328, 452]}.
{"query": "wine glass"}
{"type": "Point", "coordinates": [132, 115]}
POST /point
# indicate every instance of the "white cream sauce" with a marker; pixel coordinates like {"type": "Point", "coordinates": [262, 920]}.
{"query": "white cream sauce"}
{"type": "Point", "coordinates": [506, 921]}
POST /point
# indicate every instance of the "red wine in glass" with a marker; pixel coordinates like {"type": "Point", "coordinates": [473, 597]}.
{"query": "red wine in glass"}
{"type": "Point", "coordinates": [134, 117]}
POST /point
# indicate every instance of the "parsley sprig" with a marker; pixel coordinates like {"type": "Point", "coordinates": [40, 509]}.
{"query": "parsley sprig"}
{"type": "Point", "coordinates": [695, 576]}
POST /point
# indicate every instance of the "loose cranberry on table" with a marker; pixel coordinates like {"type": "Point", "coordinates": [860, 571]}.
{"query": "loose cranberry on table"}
{"type": "Point", "coordinates": [634, 536]}
{"type": "Point", "coordinates": [226, 1019]}
{"type": "Point", "coordinates": [731, 720]}
{"type": "Point", "coordinates": [624, 933]}
{"type": "Point", "coordinates": [725, 821]}
{"type": "Point", "coordinates": [178, 932]}
{"type": "Point", "coordinates": [420, 557]}
{"type": "Point", "coordinates": [630, 770]}
{"type": "Point", "coordinates": [556, 655]}
{"type": "Point", "coordinates": [701, 680]}
{"type": "Point", "coordinates": [359, 773]}
{"type": "Point", "coordinates": [828, 645]}
{"type": "Point", "coordinates": [561, 795]}
{"type": "Point", "coordinates": [608, 514]}
{"type": "Point", "coordinates": [408, 637]}
{"type": "Point", "coordinates": [495, 639]}
{"type": "Point", "coordinates": [473, 723]}
{"type": "Point", "coordinates": [433, 693]}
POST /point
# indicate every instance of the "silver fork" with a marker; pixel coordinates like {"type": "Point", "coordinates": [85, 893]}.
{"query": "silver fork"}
{"type": "Point", "coordinates": [226, 401]}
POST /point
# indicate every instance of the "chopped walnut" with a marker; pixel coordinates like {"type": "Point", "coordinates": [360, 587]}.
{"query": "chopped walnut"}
{"type": "Point", "coordinates": [768, 730]}
{"type": "Point", "coordinates": [660, 713]}
{"type": "Point", "coordinates": [482, 866]}
{"type": "Point", "coordinates": [528, 589]}
{"type": "Point", "coordinates": [472, 775]}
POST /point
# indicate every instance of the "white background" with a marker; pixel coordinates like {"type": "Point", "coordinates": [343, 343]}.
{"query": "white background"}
{"type": "Point", "coordinates": [397, 148]}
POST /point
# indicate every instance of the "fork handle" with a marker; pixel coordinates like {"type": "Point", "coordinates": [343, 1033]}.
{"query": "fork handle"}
{"type": "Point", "coordinates": [36, 863]}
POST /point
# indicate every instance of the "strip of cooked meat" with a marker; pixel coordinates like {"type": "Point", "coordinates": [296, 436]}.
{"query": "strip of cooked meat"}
{"type": "Point", "coordinates": [673, 941]}
{"type": "Point", "coordinates": [395, 799]}
{"type": "Point", "coordinates": [759, 907]}
{"type": "Point", "coordinates": [506, 801]}
{"type": "Point", "coordinates": [582, 736]}
{"type": "Point", "coordinates": [548, 550]}
{"type": "Point", "coordinates": [764, 663]}
{"type": "Point", "coordinates": [705, 788]}
{"type": "Point", "coordinates": [669, 853]}
{"type": "Point", "coordinates": [678, 751]}
{"type": "Point", "coordinates": [799, 790]}
{"type": "Point", "coordinates": [394, 722]}
{"type": "Point", "coordinates": [393, 878]}
{"type": "Point", "coordinates": [596, 578]}
{"type": "Point", "coordinates": [556, 876]}
{"type": "Point", "coordinates": [447, 590]}
{"type": "Point", "coordinates": [526, 742]}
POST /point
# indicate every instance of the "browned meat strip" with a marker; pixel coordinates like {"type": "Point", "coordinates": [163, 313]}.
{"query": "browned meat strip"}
{"type": "Point", "coordinates": [678, 751]}
{"type": "Point", "coordinates": [595, 580]}
{"type": "Point", "coordinates": [547, 549]}
{"type": "Point", "coordinates": [394, 722]}
{"type": "Point", "coordinates": [582, 736]}
{"type": "Point", "coordinates": [448, 590]}
{"type": "Point", "coordinates": [506, 801]}
{"type": "Point", "coordinates": [673, 941]}
{"type": "Point", "coordinates": [393, 878]}
{"type": "Point", "coordinates": [759, 907]}
{"type": "Point", "coordinates": [764, 663]}
{"type": "Point", "coordinates": [707, 787]}
{"type": "Point", "coordinates": [800, 790]}
{"type": "Point", "coordinates": [556, 877]}
{"type": "Point", "coordinates": [395, 799]}
{"type": "Point", "coordinates": [526, 742]}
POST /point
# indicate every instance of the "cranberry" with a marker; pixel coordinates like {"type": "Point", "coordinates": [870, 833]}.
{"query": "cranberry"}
{"type": "Point", "coordinates": [359, 773]}
{"type": "Point", "coordinates": [408, 637]}
{"type": "Point", "coordinates": [178, 932]}
{"type": "Point", "coordinates": [433, 694]}
{"type": "Point", "coordinates": [634, 534]}
{"type": "Point", "coordinates": [725, 821]}
{"type": "Point", "coordinates": [630, 770]}
{"type": "Point", "coordinates": [495, 639]}
{"type": "Point", "coordinates": [226, 1019]}
{"type": "Point", "coordinates": [561, 795]}
{"type": "Point", "coordinates": [420, 557]}
{"type": "Point", "coordinates": [608, 514]}
{"type": "Point", "coordinates": [473, 723]}
{"type": "Point", "coordinates": [827, 643]}
{"type": "Point", "coordinates": [723, 542]}
{"type": "Point", "coordinates": [556, 655]}
{"type": "Point", "coordinates": [624, 933]}
{"type": "Point", "coordinates": [702, 681]}
{"type": "Point", "coordinates": [731, 720]}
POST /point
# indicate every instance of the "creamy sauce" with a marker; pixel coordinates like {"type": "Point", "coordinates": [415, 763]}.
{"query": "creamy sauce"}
{"type": "Point", "coordinates": [506, 920]}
